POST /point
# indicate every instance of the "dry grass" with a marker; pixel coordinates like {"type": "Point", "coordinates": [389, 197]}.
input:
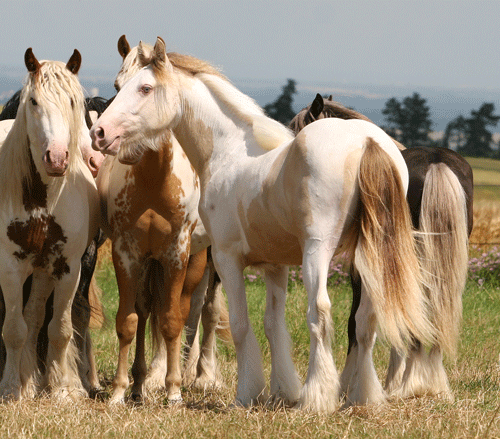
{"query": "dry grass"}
{"type": "Point", "coordinates": [474, 378]}
{"type": "Point", "coordinates": [486, 228]}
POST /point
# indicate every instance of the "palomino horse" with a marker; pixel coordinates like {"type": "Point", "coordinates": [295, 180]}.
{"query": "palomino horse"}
{"type": "Point", "coordinates": [440, 198]}
{"type": "Point", "coordinates": [48, 216]}
{"type": "Point", "coordinates": [273, 200]}
{"type": "Point", "coordinates": [149, 205]}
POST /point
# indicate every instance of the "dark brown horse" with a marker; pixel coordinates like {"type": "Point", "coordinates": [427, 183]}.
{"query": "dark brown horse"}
{"type": "Point", "coordinates": [440, 195]}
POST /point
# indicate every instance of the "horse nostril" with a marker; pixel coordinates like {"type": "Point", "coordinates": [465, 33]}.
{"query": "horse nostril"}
{"type": "Point", "coordinates": [99, 132]}
{"type": "Point", "coordinates": [47, 157]}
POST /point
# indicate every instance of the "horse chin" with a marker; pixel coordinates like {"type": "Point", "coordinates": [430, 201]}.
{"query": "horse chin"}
{"type": "Point", "coordinates": [56, 173]}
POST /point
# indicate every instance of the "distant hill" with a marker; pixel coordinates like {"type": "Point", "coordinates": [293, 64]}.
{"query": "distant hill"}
{"type": "Point", "coordinates": [369, 99]}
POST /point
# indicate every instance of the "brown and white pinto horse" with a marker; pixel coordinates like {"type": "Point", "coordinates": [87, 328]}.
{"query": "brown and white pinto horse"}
{"type": "Point", "coordinates": [270, 199]}
{"type": "Point", "coordinates": [48, 216]}
{"type": "Point", "coordinates": [86, 306]}
{"type": "Point", "coordinates": [149, 206]}
{"type": "Point", "coordinates": [440, 196]}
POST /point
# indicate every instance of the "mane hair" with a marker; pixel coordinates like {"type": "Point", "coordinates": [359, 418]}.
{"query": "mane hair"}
{"type": "Point", "coordinates": [52, 83]}
{"type": "Point", "coordinates": [267, 132]}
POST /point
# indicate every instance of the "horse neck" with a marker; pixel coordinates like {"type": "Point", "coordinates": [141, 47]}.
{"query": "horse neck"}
{"type": "Point", "coordinates": [208, 133]}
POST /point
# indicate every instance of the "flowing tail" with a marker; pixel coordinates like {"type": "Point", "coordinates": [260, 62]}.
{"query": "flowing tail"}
{"type": "Point", "coordinates": [155, 287]}
{"type": "Point", "coordinates": [443, 250]}
{"type": "Point", "coordinates": [385, 254]}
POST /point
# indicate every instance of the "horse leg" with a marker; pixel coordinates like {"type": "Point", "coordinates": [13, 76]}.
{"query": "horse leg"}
{"type": "Point", "coordinates": [62, 368]}
{"type": "Point", "coordinates": [321, 389]}
{"type": "Point", "coordinates": [14, 333]}
{"type": "Point", "coordinates": [424, 374]}
{"type": "Point", "coordinates": [174, 316]}
{"type": "Point", "coordinates": [192, 348]}
{"type": "Point", "coordinates": [395, 372]}
{"type": "Point", "coordinates": [34, 315]}
{"type": "Point", "coordinates": [285, 382]}
{"type": "Point", "coordinates": [126, 325]}
{"type": "Point", "coordinates": [251, 382]}
{"type": "Point", "coordinates": [80, 316]}
{"type": "Point", "coordinates": [365, 387]}
{"type": "Point", "coordinates": [92, 376]}
{"type": "Point", "coordinates": [352, 350]}
{"type": "Point", "coordinates": [207, 373]}
{"type": "Point", "coordinates": [155, 379]}
{"type": "Point", "coordinates": [139, 367]}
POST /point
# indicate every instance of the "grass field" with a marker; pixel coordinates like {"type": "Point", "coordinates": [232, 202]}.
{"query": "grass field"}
{"type": "Point", "coordinates": [474, 377]}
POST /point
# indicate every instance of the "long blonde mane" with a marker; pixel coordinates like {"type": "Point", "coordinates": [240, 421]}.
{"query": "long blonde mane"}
{"type": "Point", "coordinates": [268, 133]}
{"type": "Point", "coordinates": [52, 83]}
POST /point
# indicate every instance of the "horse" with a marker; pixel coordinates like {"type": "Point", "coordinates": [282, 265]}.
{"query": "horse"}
{"type": "Point", "coordinates": [86, 305]}
{"type": "Point", "coordinates": [440, 197]}
{"type": "Point", "coordinates": [271, 199]}
{"type": "Point", "coordinates": [40, 234]}
{"type": "Point", "coordinates": [149, 209]}
{"type": "Point", "coordinates": [200, 367]}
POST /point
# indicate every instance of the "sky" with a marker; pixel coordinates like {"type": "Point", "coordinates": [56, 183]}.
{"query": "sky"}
{"type": "Point", "coordinates": [451, 44]}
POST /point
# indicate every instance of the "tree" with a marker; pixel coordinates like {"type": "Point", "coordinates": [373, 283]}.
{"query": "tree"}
{"type": "Point", "coordinates": [471, 136]}
{"type": "Point", "coordinates": [455, 135]}
{"type": "Point", "coordinates": [281, 109]}
{"type": "Point", "coordinates": [408, 121]}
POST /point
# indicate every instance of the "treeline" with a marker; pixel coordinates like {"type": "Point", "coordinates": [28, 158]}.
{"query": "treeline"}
{"type": "Point", "coordinates": [409, 121]}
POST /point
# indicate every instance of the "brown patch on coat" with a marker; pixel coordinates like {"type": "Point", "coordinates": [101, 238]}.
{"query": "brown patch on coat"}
{"type": "Point", "coordinates": [40, 238]}
{"type": "Point", "coordinates": [34, 190]}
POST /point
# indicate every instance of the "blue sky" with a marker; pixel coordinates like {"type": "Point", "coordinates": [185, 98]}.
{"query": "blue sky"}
{"type": "Point", "coordinates": [424, 43]}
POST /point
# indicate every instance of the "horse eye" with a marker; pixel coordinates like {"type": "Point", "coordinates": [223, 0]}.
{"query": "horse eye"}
{"type": "Point", "coordinates": [35, 103]}
{"type": "Point", "coordinates": [72, 103]}
{"type": "Point", "coordinates": [146, 89]}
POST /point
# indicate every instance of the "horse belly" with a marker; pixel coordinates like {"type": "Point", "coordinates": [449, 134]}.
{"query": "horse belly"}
{"type": "Point", "coordinates": [271, 246]}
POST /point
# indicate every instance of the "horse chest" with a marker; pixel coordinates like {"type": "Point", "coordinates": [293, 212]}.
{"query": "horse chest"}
{"type": "Point", "coordinates": [41, 240]}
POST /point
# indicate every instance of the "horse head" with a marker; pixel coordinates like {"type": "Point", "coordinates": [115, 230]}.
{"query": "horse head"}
{"type": "Point", "coordinates": [54, 107]}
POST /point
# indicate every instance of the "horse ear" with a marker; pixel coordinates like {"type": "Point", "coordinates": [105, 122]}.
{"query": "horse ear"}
{"type": "Point", "coordinates": [31, 62]}
{"type": "Point", "coordinates": [317, 106]}
{"type": "Point", "coordinates": [123, 46]}
{"type": "Point", "coordinates": [160, 53]}
{"type": "Point", "coordinates": [74, 63]}
{"type": "Point", "coordinates": [330, 98]}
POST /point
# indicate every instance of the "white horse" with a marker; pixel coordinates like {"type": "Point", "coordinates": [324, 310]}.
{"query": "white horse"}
{"type": "Point", "coordinates": [273, 200]}
{"type": "Point", "coordinates": [48, 216]}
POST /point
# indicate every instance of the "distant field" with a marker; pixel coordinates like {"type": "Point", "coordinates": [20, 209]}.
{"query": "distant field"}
{"type": "Point", "coordinates": [486, 171]}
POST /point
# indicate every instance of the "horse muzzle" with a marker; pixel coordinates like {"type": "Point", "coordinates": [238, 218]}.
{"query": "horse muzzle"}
{"type": "Point", "coordinates": [56, 162]}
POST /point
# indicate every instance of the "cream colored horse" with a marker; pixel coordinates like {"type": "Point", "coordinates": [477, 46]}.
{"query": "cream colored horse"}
{"type": "Point", "coordinates": [273, 200]}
